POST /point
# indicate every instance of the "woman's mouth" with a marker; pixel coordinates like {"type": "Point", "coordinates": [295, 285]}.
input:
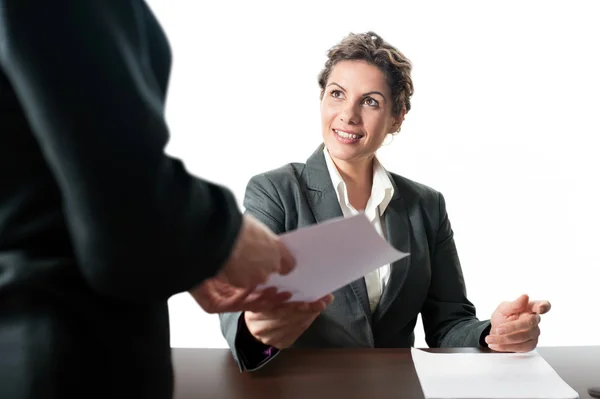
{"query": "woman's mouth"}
{"type": "Point", "coordinates": [347, 137]}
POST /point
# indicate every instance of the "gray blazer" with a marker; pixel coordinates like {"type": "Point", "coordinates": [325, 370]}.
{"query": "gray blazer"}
{"type": "Point", "coordinates": [429, 281]}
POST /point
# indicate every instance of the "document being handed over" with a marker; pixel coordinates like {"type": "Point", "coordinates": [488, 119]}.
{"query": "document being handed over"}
{"type": "Point", "coordinates": [330, 255]}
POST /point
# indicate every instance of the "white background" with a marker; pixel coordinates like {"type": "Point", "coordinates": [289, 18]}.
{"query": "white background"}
{"type": "Point", "coordinates": [504, 123]}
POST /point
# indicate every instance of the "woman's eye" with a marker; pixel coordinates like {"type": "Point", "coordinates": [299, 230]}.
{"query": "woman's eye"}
{"type": "Point", "coordinates": [336, 94]}
{"type": "Point", "coordinates": [371, 102]}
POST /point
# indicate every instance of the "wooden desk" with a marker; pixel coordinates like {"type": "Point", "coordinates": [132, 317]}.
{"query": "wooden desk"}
{"type": "Point", "coordinates": [341, 373]}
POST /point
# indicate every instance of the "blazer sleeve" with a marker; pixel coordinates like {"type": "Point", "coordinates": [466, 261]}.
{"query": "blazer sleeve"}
{"type": "Point", "coordinates": [142, 227]}
{"type": "Point", "coordinates": [261, 201]}
{"type": "Point", "coordinates": [449, 318]}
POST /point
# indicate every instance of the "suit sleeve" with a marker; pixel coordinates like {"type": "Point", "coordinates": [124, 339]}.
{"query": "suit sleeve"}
{"type": "Point", "coordinates": [449, 318]}
{"type": "Point", "coordinates": [261, 201]}
{"type": "Point", "coordinates": [142, 227]}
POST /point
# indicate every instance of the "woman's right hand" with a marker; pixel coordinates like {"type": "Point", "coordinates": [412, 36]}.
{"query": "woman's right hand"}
{"type": "Point", "coordinates": [281, 327]}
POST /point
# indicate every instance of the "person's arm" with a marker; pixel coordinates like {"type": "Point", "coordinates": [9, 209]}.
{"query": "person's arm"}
{"type": "Point", "coordinates": [249, 353]}
{"type": "Point", "coordinates": [142, 227]}
{"type": "Point", "coordinates": [261, 201]}
{"type": "Point", "coordinates": [449, 318]}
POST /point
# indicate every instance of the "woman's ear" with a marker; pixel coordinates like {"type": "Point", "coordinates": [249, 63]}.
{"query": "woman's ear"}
{"type": "Point", "coordinates": [398, 119]}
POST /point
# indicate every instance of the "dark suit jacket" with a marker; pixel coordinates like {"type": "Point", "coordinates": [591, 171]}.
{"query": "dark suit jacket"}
{"type": "Point", "coordinates": [98, 227]}
{"type": "Point", "coordinates": [429, 281]}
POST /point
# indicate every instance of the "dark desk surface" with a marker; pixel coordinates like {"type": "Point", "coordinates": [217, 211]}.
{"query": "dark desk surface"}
{"type": "Point", "coordinates": [342, 373]}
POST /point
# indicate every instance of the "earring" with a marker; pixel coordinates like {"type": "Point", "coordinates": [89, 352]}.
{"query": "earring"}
{"type": "Point", "coordinates": [391, 136]}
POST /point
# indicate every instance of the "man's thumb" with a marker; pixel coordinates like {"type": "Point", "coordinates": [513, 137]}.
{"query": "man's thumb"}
{"type": "Point", "coordinates": [288, 263]}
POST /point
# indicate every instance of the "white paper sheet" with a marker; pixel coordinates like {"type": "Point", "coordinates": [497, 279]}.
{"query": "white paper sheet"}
{"type": "Point", "coordinates": [489, 376]}
{"type": "Point", "coordinates": [332, 254]}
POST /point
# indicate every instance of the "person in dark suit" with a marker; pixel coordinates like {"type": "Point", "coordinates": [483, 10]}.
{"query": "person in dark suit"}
{"type": "Point", "coordinates": [366, 88]}
{"type": "Point", "coordinates": [98, 227]}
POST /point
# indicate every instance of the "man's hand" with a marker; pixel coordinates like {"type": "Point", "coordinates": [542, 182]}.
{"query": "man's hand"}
{"type": "Point", "coordinates": [217, 296]}
{"type": "Point", "coordinates": [257, 253]}
{"type": "Point", "coordinates": [282, 326]}
{"type": "Point", "coordinates": [515, 325]}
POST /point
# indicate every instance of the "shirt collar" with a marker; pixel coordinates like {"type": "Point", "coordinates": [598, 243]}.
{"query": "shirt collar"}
{"type": "Point", "coordinates": [381, 191]}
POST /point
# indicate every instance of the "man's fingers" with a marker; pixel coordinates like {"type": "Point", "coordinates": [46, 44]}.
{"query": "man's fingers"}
{"type": "Point", "coordinates": [266, 294]}
{"type": "Point", "coordinates": [287, 260]}
{"type": "Point", "coordinates": [216, 296]}
{"type": "Point", "coordinates": [276, 297]}
{"type": "Point", "coordinates": [225, 298]}
{"type": "Point", "coordinates": [266, 300]}
{"type": "Point", "coordinates": [232, 301]}
{"type": "Point", "coordinates": [314, 307]}
{"type": "Point", "coordinates": [539, 307]}
{"type": "Point", "coordinates": [283, 297]}
{"type": "Point", "coordinates": [324, 302]}
{"type": "Point", "coordinates": [291, 311]}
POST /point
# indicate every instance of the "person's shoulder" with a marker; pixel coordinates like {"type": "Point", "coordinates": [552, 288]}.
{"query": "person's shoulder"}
{"type": "Point", "coordinates": [421, 199]}
{"type": "Point", "coordinates": [414, 189]}
{"type": "Point", "coordinates": [280, 178]}
{"type": "Point", "coordinates": [284, 172]}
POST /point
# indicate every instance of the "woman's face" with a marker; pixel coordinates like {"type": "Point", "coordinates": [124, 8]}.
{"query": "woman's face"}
{"type": "Point", "coordinates": [356, 111]}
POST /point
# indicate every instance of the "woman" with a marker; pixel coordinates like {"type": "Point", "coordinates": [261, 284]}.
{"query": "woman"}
{"type": "Point", "coordinates": [366, 88]}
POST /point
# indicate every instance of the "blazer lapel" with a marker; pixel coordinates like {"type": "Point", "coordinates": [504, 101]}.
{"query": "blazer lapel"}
{"type": "Point", "coordinates": [398, 235]}
{"type": "Point", "coordinates": [324, 205]}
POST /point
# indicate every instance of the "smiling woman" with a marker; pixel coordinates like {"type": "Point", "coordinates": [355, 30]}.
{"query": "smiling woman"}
{"type": "Point", "coordinates": [366, 88]}
{"type": "Point", "coordinates": [356, 118]}
{"type": "Point", "coordinates": [365, 93]}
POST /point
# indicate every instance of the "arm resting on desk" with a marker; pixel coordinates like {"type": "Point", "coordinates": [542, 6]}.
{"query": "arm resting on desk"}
{"type": "Point", "coordinates": [449, 318]}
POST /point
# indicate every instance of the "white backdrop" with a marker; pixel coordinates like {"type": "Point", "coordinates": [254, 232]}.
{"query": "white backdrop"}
{"type": "Point", "coordinates": [504, 123]}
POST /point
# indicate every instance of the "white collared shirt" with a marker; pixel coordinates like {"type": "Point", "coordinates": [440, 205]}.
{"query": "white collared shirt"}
{"type": "Point", "coordinates": [381, 195]}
